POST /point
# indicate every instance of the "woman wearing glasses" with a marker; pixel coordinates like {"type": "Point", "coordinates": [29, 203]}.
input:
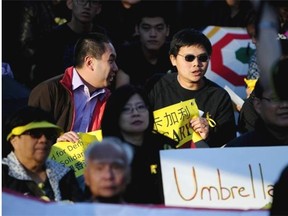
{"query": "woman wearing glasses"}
{"type": "Point", "coordinates": [30, 133]}
{"type": "Point", "coordinates": [128, 116]}
{"type": "Point", "coordinates": [190, 51]}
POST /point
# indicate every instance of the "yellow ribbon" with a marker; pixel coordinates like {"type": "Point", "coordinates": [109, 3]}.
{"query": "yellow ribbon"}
{"type": "Point", "coordinates": [211, 122]}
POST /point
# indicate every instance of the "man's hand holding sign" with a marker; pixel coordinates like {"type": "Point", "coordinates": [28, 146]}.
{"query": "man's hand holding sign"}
{"type": "Point", "coordinates": [183, 123]}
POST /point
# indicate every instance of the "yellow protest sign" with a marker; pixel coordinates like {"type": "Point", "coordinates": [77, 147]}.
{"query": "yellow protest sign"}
{"type": "Point", "coordinates": [72, 154]}
{"type": "Point", "coordinates": [174, 121]}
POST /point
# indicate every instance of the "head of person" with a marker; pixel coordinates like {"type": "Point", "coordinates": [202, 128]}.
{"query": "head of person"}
{"type": "Point", "coordinates": [31, 132]}
{"type": "Point", "coordinates": [127, 113]}
{"type": "Point", "coordinates": [272, 110]}
{"type": "Point", "coordinates": [152, 26]}
{"type": "Point", "coordinates": [94, 59]}
{"type": "Point", "coordinates": [280, 76]}
{"type": "Point", "coordinates": [107, 170]}
{"type": "Point", "coordinates": [84, 11]}
{"type": "Point", "coordinates": [190, 51]}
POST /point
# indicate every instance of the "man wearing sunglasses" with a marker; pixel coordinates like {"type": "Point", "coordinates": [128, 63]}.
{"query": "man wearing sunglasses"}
{"type": "Point", "coordinates": [30, 133]}
{"type": "Point", "coordinates": [190, 51]}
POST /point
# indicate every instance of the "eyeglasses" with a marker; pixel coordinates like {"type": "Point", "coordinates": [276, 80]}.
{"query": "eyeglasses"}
{"type": "Point", "coordinates": [141, 108]}
{"type": "Point", "coordinates": [50, 134]}
{"type": "Point", "coordinates": [190, 57]}
{"type": "Point", "coordinates": [91, 2]}
{"type": "Point", "coordinates": [274, 101]}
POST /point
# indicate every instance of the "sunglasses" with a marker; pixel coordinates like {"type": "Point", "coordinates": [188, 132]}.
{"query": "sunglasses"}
{"type": "Point", "coordinates": [50, 134]}
{"type": "Point", "coordinates": [201, 57]}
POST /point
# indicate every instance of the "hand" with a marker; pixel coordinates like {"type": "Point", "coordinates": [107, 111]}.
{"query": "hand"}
{"type": "Point", "coordinates": [70, 136]}
{"type": "Point", "coordinates": [201, 126]}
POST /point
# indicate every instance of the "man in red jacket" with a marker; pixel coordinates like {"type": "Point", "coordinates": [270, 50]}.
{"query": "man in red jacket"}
{"type": "Point", "coordinates": [77, 98]}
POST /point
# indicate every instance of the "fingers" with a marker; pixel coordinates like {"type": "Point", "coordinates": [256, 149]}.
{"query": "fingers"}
{"type": "Point", "coordinates": [198, 123]}
{"type": "Point", "coordinates": [201, 126]}
{"type": "Point", "coordinates": [70, 136]}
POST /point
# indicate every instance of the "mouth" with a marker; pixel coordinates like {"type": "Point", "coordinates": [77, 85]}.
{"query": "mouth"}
{"type": "Point", "coordinates": [197, 73]}
{"type": "Point", "coordinates": [137, 122]}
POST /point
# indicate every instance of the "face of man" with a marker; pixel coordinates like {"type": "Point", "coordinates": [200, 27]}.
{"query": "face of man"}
{"type": "Point", "coordinates": [33, 146]}
{"type": "Point", "coordinates": [84, 11]}
{"type": "Point", "coordinates": [103, 70]}
{"type": "Point", "coordinates": [152, 32]}
{"type": "Point", "coordinates": [191, 63]}
{"type": "Point", "coordinates": [106, 173]}
{"type": "Point", "coordinates": [272, 110]}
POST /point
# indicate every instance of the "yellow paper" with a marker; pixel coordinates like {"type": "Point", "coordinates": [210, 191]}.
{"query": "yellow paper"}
{"type": "Point", "coordinates": [72, 154]}
{"type": "Point", "coordinates": [174, 121]}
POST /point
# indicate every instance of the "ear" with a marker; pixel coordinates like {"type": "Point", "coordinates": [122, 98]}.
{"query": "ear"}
{"type": "Point", "coordinates": [173, 60]}
{"type": "Point", "coordinates": [13, 141]}
{"type": "Point", "coordinates": [99, 9]}
{"type": "Point", "coordinates": [88, 62]}
{"type": "Point", "coordinates": [257, 105]}
{"type": "Point", "coordinates": [69, 4]}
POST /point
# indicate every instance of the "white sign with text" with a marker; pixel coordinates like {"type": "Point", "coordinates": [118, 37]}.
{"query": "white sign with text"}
{"type": "Point", "coordinates": [232, 178]}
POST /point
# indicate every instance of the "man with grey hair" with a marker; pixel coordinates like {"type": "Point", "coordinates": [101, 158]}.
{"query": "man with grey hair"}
{"type": "Point", "coordinates": [107, 170]}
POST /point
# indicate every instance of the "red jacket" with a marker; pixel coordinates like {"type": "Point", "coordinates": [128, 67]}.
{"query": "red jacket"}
{"type": "Point", "coordinates": [56, 96]}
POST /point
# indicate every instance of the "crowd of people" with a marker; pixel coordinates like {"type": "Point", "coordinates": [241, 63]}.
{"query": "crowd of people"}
{"type": "Point", "coordinates": [108, 67]}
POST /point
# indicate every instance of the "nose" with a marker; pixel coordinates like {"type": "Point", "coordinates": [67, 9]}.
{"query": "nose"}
{"type": "Point", "coordinates": [108, 173]}
{"type": "Point", "coordinates": [152, 32]}
{"type": "Point", "coordinates": [115, 67]}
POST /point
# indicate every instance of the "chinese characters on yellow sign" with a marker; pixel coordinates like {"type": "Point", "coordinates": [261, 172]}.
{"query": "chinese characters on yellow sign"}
{"type": "Point", "coordinates": [174, 121]}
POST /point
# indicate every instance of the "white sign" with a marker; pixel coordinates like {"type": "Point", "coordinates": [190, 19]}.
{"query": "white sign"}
{"type": "Point", "coordinates": [27, 207]}
{"type": "Point", "coordinates": [229, 178]}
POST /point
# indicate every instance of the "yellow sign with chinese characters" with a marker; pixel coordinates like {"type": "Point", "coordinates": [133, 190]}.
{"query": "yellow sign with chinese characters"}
{"type": "Point", "coordinates": [174, 121]}
{"type": "Point", "coordinates": [72, 154]}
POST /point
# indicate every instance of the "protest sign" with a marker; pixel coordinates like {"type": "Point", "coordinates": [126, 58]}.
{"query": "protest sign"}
{"type": "Point", "coordinates": [232, 178]}
{"type": "Point", "coordinates": [72, 154]}
{"type": "Point", "coordinates": [174, 121]}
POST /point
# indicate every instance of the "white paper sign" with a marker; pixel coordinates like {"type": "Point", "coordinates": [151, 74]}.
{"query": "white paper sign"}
{"type": "Point", "coordinates": [229, 178]}
{"type": "Point", "coordinates": [234, 97]}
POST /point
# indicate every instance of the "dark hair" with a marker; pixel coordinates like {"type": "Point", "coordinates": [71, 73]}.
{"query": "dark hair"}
{"type": "Point", "coordinates": [258, 89]}
{"type": "Point", "coordinates": [23, 116]}
{"type": "Point", "coordinates": [90, 44]}
{"type": "Point", "coordinates": [189, 37]}
{"type": "Point", "coordinates": [280, 77]}
{"type": "Point", "coordinates": [148, 9]}
{"type": "Point", "coordinates": [114, 106]}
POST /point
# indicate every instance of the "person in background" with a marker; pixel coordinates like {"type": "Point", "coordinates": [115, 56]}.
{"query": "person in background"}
{"type": "Point", "coordinates": [247, 114]}
{"type": "Point", "coordinates": [272, 125]}
{"type": "Point", "coordinates": [31, 132]}
{"type": "Point", "coordinates": [149, 50]}
{"type": "Point", "coordinates": [129, 117]}
{"type": "Point", "coordinates": [24, 23]}
{"type": "Point", "coordinates": [190, 51]}
{"type": "Point", "coordinates": [55, 50]}
{"type": "Point", "coordinates": [227, 13]}
{"type": "Point", "coordinates": [107, 170]}
{"type": "Point", "coordinates": [120, 14]}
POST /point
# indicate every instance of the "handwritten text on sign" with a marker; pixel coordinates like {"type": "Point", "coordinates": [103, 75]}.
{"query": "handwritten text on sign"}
{"type": "Point", "coordinates": [240, 178]}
